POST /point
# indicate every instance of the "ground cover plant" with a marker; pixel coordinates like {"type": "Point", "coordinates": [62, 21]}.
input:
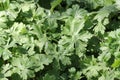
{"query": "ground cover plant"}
{"type": "Point", "coordinates": [59, 39]}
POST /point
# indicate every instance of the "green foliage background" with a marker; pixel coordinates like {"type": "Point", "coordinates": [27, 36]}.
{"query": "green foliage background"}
{"type": "Point", "coordinates": [60, 40]}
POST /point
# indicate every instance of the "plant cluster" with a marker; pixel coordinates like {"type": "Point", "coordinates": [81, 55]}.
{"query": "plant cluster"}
{"type": "Point", "coordinates": [60, 40]}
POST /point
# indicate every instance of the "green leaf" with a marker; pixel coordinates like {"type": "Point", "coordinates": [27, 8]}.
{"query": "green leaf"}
{"type": "Point", "coordinates": [54, 4]}
{"type": "Point", "coordinates": [99, 28]}
{"type": "Point", "coordinates": [4, 5]}
{"type": "Point", "coordinates": [73, 26]}
{"type": "Point", "coordinates": [42, 59]}
{"type": "Point", "coordinates": [116, 63]}
{"type": "Point", "coordinates": [21, 66]}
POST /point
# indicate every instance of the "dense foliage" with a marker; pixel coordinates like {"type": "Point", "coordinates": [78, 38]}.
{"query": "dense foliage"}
{"type": "Point", "coordinates": [59, 39]}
